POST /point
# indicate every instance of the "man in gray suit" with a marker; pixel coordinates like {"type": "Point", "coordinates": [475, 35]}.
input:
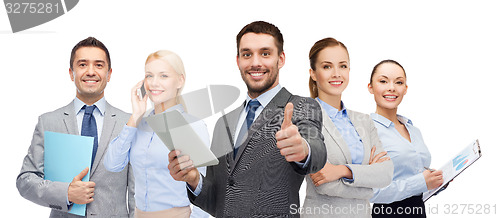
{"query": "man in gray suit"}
{"type": "Point", "coordinates": [265, 146]}
{"type": "Point", "coordinates": [106, 193]}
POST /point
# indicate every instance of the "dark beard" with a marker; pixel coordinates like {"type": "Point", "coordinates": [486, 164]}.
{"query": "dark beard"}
{"type": "Point", "coordinates": [256, 91]}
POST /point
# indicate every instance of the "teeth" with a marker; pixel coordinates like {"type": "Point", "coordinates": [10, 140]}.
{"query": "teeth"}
{"type": "Point", "coordinates": [256, 74]}
{"type": "Point", "coordinates": [390, 96]}
{"type": "Point", "coordinates": [335, 83]}
{"type": "Point", "coordinates": [156, 92]}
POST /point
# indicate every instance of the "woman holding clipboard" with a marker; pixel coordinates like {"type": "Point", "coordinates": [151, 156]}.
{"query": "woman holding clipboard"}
{"type": "Point", "coordinates": [404, 145]}
{"type": "Point", "coordinates": [157, 194]}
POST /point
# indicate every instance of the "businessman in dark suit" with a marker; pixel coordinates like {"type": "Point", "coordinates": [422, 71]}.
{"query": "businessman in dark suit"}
{"type": "Point", "coordinates": [265, 146]}
{"type": "Point", "coordinates": [88, 114]}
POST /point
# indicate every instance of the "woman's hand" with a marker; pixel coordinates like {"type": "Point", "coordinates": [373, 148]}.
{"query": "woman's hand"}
{"type": "Point", "coordinates": [138, 106]}
{"type": "Point", "coordinates": [377, 158]}
{"type": "Point", "coordinates": [433, 179]}
{"type": "Point", "coordinates": [330, 173]}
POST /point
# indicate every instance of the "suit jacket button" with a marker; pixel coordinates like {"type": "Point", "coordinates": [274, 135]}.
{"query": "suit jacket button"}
{"type": "Point", "coordinates": [231, 182]}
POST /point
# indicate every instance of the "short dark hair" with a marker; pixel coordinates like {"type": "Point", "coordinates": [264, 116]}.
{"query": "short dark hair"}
{"type": "Point", "coordinates": [388, 61]}
{"type": "Point", "coordinates": [261, 27]}
{"type": "Point", "coordinates": [89, 42]}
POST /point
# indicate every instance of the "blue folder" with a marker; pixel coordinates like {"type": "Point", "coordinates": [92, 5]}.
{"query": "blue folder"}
{"type": "Point", "coordinates": [65, 157]}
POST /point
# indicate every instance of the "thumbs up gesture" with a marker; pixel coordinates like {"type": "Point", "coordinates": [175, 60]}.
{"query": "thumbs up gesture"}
{"type": "Point", "coordinates": [291, 144]}
{"type": "Point", "coordinates": [81, 192]}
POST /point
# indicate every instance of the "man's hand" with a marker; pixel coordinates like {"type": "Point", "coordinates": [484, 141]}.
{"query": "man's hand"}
{"type": "Point", "coordinates": [291, 144]}
{"type": "Point", "coordinates": [182, 169]}
{"type": "Point", "coordinates": [81, 192]}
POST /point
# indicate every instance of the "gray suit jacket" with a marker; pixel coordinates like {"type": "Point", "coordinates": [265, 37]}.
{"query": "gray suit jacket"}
{"type": "Point", "coordinates": [110, 199]}
{"type": "Point", "coordinates": [341, 196]}
{"type": "Point", "coordinates": [260, 182]}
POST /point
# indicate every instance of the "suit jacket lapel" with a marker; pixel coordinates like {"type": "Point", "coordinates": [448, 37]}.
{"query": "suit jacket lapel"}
{"type": "Point", "coordinates": [360, 128]}
{"type": "Point", "coordinates": [69, 119]}
{"type": "Point", "coordinates": [279, 101]}
{"type": "Point", "coordinates": [336, 136]}
{"type": "Point", "coordinates": [231, 121]}
{"type": "Point", "coordinates": [108, 128]}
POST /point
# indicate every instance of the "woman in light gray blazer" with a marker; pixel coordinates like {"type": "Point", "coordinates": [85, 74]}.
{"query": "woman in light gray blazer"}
{"type": "Point", "coordinates": [356, 162]}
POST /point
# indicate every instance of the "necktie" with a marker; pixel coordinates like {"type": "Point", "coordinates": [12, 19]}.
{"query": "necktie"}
{"type": "Point", "coordinates": [89, 128]}
{"type": "Point", "coordinates": [252, 107]}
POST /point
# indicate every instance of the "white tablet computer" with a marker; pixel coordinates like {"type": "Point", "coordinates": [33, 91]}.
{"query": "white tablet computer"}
{"type": "Point", "coordinates": [176, 133]}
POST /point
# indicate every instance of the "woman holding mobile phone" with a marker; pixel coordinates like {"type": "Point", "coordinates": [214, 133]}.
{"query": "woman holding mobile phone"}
{"type": "Point", "coordinates": [157, 194]}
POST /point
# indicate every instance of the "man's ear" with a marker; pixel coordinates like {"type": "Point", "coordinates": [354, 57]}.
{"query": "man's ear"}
{"type": "Point", "coordinates": [71, 74]}
{"type": "Point", "coordinates": [108, 76]}
{"type": "Point", "coordinates": [281, 61]}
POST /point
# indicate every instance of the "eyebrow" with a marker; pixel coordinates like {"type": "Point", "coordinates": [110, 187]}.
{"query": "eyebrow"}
{"type": "Point", "coordinates": [86, 60]}
{"type": "Point", "coordinates": [400, 77]}
{"type": "Point", "coordinates": [165, 72]}
{"type": "Point", "coordinates": [260, 49]}
{"type": "Point", "coordinates": [329, 62]}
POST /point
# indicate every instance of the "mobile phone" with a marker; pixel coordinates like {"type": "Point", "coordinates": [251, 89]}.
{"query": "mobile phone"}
{"type": "Point", "coordinates": [143, 91]}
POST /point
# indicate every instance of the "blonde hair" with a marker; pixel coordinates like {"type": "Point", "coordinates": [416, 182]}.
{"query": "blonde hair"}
{"type": "Point", "coordinates": [176, 63]}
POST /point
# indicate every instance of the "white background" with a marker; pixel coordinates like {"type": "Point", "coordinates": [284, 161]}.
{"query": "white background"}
{"type": "Point", "coordinates": [450, 51]}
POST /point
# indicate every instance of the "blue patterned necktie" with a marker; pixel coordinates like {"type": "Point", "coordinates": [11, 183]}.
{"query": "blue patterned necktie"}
{"type": "Point", "coordinates": [252, 107]}
{"type": "Point", "coordinates": [89, 128]}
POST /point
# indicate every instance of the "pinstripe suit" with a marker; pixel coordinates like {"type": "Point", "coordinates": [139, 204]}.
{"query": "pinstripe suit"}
{"type": "Point", "coordinates": [111, 189]}
{"type": "Point", "coordinates": [259, 182]}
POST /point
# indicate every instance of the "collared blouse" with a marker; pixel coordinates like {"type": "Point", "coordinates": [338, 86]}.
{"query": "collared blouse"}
{"type": "Point", "coordinates": [409, 158]}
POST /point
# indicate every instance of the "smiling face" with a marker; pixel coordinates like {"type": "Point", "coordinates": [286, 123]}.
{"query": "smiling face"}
{"type": "Point", "coordinates": [388, 86]}
{"type": "Point", "coordinates": [259, 62]}
{"type": "Point", "coordinates": [90, 73]}
{"type": "Point", "coordinates": [332, 72]}
{"type": "Point", "coordinates": [162, 83]}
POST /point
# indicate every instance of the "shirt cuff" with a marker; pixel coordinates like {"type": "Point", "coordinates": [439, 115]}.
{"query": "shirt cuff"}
{"type": "Point", "coordinates": [69, 204]}
{"type": "Point", "coordinates": [305, 164]}
{"type": "Point", "coordinates": [346, 179]}
{"type": "Point", "coordinates": [420, 183]}
{"type": "Point", "coordinates": [129, 129]}
{"type": "Point", "coordinates": [197, 191]}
